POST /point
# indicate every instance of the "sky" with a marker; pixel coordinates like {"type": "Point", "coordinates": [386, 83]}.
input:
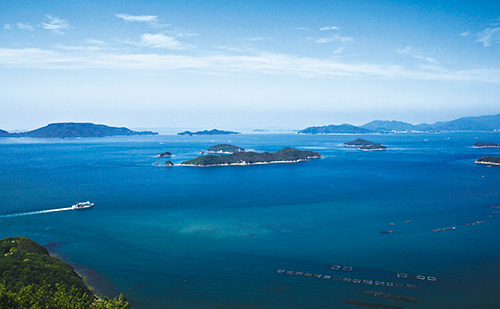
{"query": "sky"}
{"type": "Point", "coordinates": [246, 64]}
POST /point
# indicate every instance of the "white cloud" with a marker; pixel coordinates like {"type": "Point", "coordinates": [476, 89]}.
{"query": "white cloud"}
{"type": "Point", "coordinates": [186, 34]}
{"type": "Point", "coordinates": [87, 48]}
{"type": "Point", "coordinates": [334, 38]}
{"type": "Point", "coordinates": [264, 63]}
{"type": "Point", "coordinates": [329, 28]}
{"type": "Point", "coordinates": [160, 41]}
{"type": "Point", "coordinates": [25, 26]}
{"type": "Point", "coordinates": [338, 50]}
{"type": "Point", "coordinates": [489, 36]}
{"type": "Point", "coordinates": [96, 42]}
{"type": "Point", "coordinates": [255, 39]}
{"type": "Point", "coordinates": [407, 51]}
{"type": "Point", "coordinates": [56, 24]}
{"type": "Point", "coordinates": [139, 18]}
{"type": "Point", "coordinates": [464, 34]}
{"type": "Point", "coordinates": [152, 20]}
{"type": "Point", "coordinates": [7, 27]}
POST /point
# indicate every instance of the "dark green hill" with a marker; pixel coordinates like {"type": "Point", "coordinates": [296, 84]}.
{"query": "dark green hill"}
{"type": "Point", "coordinates": [246, 158]}
{"type": "Point", "coordinates": [29, 276]}
{"type": "Point", "coordinates": [363, 144]}
{"type": "Point", "coordinates": [486, 145]}
{"type": "Point", "coordinates": [224, 148]}
{"type": "Point", "coordinates": [206, 132]}
{"type": "Point", "coordinates": [489, 160]}
{"type": "Point", "coordinates": [24, 262]}
{"type": "Point", "coordinates": [72, 129]}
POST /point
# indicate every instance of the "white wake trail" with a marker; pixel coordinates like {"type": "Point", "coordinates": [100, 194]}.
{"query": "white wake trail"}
{"type": "Point", "coordinates": [29, 213]}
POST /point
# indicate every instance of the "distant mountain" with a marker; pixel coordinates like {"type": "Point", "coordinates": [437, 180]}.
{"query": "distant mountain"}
{"type": "Point", "coordinates": [206, 132]}
{"type": "Point", "coordinates": [389, 126]}
{"type": "Point", "coordinates": [344, 128]}
{"type": "Point", "coordinates": [71, 129]}
{"type": "Point", "coordinates": [481, 123]}
{"type": "Point", "coordinates": [4, 133]}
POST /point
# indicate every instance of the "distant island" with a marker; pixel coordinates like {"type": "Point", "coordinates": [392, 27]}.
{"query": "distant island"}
{"type": "Point", "coordinates": [486, 145]}
{"type": "Point", "coordinates": [31, 278]}
{"type": "Point", "coordinates": [4, 133]}
{"type": "Point", "coordinates": [344, 128]}
{"type": "Point", "coordinates": [365, 145]}
{"type": "Point", "coordinates": [481, 123]}
{"type": "Point", "coordinates": [76, 130]}
{"type": "Point", "coordinates": [286, 155]}
{"type": "Point", "coordinates": [206, 132]}
{"type": "Point", "coordinates": [489, 160]}
{"type": "Point", "coordinates": [164, 154]}
{"type": "Point", "coordinates": [225, 149]}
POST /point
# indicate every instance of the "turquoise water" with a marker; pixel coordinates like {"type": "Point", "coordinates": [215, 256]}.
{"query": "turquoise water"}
{"type": "Point", "coordinates": [214, 237]}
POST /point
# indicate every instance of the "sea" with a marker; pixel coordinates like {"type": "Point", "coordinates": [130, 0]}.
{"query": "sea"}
{"type": "Point", "coordinates": [301, 235]}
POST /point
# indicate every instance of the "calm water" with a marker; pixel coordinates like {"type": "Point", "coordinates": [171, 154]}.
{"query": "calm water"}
{"type": "Point", "coordinates": [214, 237]}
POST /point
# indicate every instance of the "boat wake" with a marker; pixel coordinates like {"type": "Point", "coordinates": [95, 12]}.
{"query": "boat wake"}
{"type": "Point", "coordinates": [29, 213]}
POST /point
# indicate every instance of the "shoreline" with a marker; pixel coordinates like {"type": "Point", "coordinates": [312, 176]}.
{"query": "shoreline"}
{"type": "Point", "coordinates": [246, 163]}
{"type": "Point", "coordinates": [486, 163]}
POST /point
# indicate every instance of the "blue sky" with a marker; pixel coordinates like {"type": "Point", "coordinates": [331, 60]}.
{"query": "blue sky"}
{"type": "Point", "coordinates": [246, 64]}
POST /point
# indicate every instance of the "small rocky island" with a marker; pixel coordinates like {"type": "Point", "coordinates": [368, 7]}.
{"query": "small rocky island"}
{"type": "Point", "coordinates": [365, 145]}
{"type": "Point", "coordinates": [164, 155]}
{"type": "Point", "coordinates": [489, 160]}
{"type": "Point", "coordinates": [224, 149]}
{"type": "Point", "coordinates": [285, 155]}
{"type": "Point", "coordinates": [207, 132]}
{"type": "Point", "coordinates": [486, 145]}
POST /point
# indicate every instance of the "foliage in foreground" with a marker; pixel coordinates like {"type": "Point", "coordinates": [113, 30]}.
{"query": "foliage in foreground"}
{"type": "Point", "coordinates": [31, 278]}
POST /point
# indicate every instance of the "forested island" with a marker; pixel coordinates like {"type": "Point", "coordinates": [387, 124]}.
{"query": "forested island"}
{"type": "Point", "coordinates": [75, 130]}
{"type": "Point", "coordinates": [29, 276]}
{"type": "Point", "coordinates": [225, 149]}
{"type": "Point", "coordinates": [481, 123]}
{"type": "Point", "coordinates": [365, 145]}
{"type": "Point", "coordinates": [285, 155]}
{"type": "Point", "coordinates": [207, 132]}
{"type": "Point", "coordinates": [489, 160]}
{"type": "Point", "coordinates": [486, 145]}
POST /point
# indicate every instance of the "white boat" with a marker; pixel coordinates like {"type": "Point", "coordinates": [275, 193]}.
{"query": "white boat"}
{"type": "Point", "coordinates": [83, 205]}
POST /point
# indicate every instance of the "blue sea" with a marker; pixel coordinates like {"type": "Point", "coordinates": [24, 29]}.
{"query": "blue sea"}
{"type": "Point", "coordinates": [236, 236]}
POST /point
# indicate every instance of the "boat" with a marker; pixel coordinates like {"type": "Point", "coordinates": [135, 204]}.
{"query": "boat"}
{"type": "Point", "coordinates": [430, 278]}
{"type": "Point", "coordinates": [83, 205]}
{"type": "Point", "coordinates": [402, 275]}
{"type": "Point", "coordinates": [420, 277]}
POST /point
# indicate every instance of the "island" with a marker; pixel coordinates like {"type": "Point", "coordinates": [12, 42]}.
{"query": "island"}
{"type": "Point", "coordinates": [77, 130]}
{"type": "Point", "coordinates": [333, 129]}
{"type": "Point", "coordinates": [169, 164]}
{"type": "Point", "coordinates": [207, 132]}
{"type": "Point", "coordinates": [31, 276]}
{"type": "Point", "coordinates": [4, 133]}
{"type": "Point", "coordinates": [486, 145]}
{"type": "Point", "coordinates": [285, 155]}
{"type": "Point", "coordinates": [164, 155]}
{"type": "Point", "coordinates": [225, 149]}
{"type": "Point", "coordinates": [488, 160]}
{"type": "Point", "coordinates": [365, 145]}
